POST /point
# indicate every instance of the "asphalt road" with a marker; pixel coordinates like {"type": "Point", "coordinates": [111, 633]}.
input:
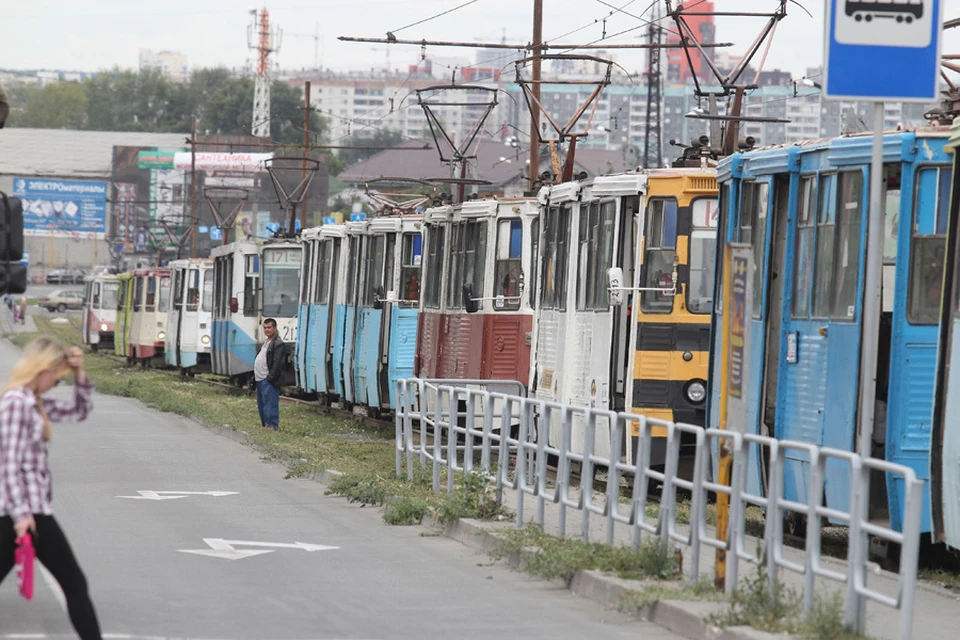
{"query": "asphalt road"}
{"type": "Point", "coordinates": [377, 582]}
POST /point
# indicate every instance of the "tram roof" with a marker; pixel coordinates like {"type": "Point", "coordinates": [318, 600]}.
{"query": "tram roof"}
{"type": "Point", "coordinates": [245, 246]}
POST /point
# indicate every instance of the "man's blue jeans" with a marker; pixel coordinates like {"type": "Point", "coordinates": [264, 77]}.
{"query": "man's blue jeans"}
{"type": "Point", "coordinates": [268, 403]}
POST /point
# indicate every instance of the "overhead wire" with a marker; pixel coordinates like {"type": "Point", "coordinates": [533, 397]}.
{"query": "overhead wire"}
{"type": "Point", "coordinates": [434, 17]}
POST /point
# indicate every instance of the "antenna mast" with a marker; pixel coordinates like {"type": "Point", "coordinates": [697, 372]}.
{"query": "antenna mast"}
{"type": "Point", "coordinates": [652, 141]}
{"type": "Point", "coordinates": [265, 42]}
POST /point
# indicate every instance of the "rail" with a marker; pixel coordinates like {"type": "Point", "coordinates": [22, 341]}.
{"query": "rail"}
{"type": "Point", "coordinates": [442, 425]}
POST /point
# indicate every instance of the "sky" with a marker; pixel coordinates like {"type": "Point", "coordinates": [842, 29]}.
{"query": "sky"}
{"type": "Point", "coordinates": [91, 35]}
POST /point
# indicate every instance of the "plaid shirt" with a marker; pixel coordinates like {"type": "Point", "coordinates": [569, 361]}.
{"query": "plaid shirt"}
{"type": "Point", "coordinates": [24, 474]}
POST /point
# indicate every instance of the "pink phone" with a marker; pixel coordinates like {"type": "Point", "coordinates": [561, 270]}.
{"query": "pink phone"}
{"type": "Point", "coordinates": [24, 557]}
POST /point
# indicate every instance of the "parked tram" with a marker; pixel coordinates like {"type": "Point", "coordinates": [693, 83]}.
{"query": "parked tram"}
{"type": "Point", "coordinates": [945, 437]}
{"type": "Point", "coordinates": [803, 209]}
{"type": "Point", "coordinates": [625, 291]}
{"type": "Point", "coordinates": [121, 334]}
{"type": "Point", "coordinates": [319, 315]}
{"type": "Point", "coordinates": [100, 306]}
{"type": "Point", "coordinates": [148, 317]}
{"type": "Point", "coordinates": [187, 344]}
{"type": "Point", "coordinates": [252, 283]}
{"type": "Point", "coordinates": [476, 317]}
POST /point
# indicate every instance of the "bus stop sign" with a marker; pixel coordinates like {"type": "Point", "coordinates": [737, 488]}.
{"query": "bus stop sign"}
{"type": "Point", "coordinates": [883, 50]}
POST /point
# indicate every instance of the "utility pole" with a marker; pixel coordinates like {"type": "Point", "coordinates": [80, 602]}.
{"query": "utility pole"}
{"type": "Point", "coordinates": [193, 186]}
{"type": "Point", "coordinates": [652, 142]}
{"type": "Point", "coordinates": [534, 170]}
{"type": "Point", "coordinates": [306, 152]}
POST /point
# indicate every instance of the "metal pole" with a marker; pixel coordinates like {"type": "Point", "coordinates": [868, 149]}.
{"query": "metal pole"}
{"type": "Point", "coordinates": [534, 169]}
{"type": "Point", "coordinates": [193, 186]}
{"type": "Point", "coordinates": [306, 152]}
{"type": "Point", "coordinates": [872, 290]}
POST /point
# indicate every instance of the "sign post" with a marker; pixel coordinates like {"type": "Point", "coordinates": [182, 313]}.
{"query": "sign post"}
{"type": "Point", "coordinates": [737, 302]}
{"type": "Point", "coordinates": [878, 51]}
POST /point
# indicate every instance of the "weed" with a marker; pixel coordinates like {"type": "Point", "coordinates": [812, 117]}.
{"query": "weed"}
{"type": "Point", "coordinates": [365, 489]}
{"type": "Point", "coordinates": [406, 510]}
{"type": "Point", "coordinates": [637, 601]}
{"type": "Point", "coordinates": [473, 497]}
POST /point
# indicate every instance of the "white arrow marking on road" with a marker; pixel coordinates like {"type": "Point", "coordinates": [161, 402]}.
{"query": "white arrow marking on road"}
{"type": "Point", "coordinates": [173, 495]}
{"type": "Point", "coordinates": [220, 548]}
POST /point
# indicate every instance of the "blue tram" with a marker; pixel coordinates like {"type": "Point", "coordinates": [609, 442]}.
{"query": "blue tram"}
{"type": "Point", "coordinates": [320, 320]}
{"type": "Point", "coordinates": [804, 211]}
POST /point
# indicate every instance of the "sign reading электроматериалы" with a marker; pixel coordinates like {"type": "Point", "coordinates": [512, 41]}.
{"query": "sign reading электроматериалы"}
{"type": "Point", "coordinates": [76, 208]}
{"type": "Point", "coordinates": [883, 50]}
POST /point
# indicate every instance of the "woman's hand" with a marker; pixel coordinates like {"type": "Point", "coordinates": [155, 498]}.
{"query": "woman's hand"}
{"type": "Point", "coordinates": [22, 526]}
{"type": "Point", "coordinates": [75, 362]}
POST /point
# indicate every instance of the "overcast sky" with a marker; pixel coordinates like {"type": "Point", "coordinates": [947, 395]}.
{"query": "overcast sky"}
{"type": "Point", "coordinates": [89, 35]}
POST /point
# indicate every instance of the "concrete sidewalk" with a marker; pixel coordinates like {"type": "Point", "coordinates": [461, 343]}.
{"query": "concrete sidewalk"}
{"type": "Point", "coordinates": [7, 326]}
{"type": "Point", "coordinates": [936, 613]}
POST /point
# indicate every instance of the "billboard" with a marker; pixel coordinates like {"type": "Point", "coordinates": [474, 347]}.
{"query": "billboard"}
{"type": "Point", "coordinates": [76, 208]}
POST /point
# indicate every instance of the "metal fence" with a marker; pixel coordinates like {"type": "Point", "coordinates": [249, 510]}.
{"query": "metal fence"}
{"type": "Point", "coordinates": [511, 436]}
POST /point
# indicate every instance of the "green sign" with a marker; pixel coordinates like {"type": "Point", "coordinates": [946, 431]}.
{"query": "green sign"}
{"type": "Point", "coordinates": [157, 158]}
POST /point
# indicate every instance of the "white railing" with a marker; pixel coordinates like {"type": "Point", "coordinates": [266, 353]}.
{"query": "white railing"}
{"type": "Point", "coordinates": [461, 427]}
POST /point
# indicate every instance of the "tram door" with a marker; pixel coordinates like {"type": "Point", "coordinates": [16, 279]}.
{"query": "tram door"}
{"type": "Point", "coordinates": [774, 329]}
{"type": "Point", "coordinates": [622, 314]}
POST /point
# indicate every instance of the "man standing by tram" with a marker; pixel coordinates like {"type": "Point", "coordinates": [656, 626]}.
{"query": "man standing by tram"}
{"type": "Point", "coordinates": [268, 372]}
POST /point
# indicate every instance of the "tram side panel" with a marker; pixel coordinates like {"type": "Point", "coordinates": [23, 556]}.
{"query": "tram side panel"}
{"type": "Point", "coordinates": [302, 347]}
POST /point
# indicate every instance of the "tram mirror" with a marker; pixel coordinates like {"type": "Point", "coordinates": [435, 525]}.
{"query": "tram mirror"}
{"type": "Point", "coordinates": [469, 303]}
{"type": "Point", "coordinates": [234, 305]}
{"type": "Point", "coordinates": [615, 283]}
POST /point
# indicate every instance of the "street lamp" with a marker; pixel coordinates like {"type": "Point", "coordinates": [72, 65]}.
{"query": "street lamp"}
{"type": "Point", "coordinates": [805, 82]}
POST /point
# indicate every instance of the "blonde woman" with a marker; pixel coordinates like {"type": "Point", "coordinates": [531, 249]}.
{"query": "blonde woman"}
{"type": "Point", "coordinates": [25, 491]}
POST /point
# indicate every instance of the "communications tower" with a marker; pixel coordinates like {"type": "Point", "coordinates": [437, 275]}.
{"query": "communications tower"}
{"type": "Point", "coordinates": [265, 42]}
{"type": "Point", "coordinates": [652, 142]}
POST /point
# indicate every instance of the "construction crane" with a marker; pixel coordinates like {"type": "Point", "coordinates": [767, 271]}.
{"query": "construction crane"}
{"type": "Point", "coordinates": [316, 43]}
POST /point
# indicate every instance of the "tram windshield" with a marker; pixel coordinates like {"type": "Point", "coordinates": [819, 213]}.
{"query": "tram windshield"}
{"type": "Point", "coordinates": [193, 289]}
{"type": "Point", "coordinates": [281, 282]}
{"type": "Point", "coordinates": [164, 295]}
{"type": "Point", "coordinates": [508, 270]}
{"type": "Point", "coordinates": [660, 252]}
{"type": "Point", "coordinates": [703, 250]}
{"type": "Point", "coordinates": [111, 294]}
{"type": "Point", "coordinates": [411, 259]}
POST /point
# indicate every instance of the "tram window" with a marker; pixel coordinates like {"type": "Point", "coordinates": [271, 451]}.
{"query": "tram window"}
{"type": "Point", "coordinates": [508, 269]}
{"type": "Point", "coordinates": [847, 250]}
{"type": "Point", "coordinates": [467, 261]}
{"type": "Point", "coordinates": [281, 282]}
{"type": "Point", "coordinates": [754, 203]}
{"type": "Point", "coordinates": [891, 215]}
{"type": "Point", "coordinates": [353, 261]}
{"type": "Point", "coordinates": [659, 255]}
{"type": "Point", "coordinates": [823, 259]}
{"type": "Point", "coordinates": [228, 287]}
{"type": "Point", "coordinates": [803, 258]}
{"type": "Point", "coordinates": [307, 269]}
{"type": "Point", "coordinates": [723, 217]}
{"type": "Point", "coordinates": [373, 273]}
{"type": "Point", "coordinates": [150, 303]}
{"type": "Point", "coordinates": [389, 263]}
{"type": "Point", "coordinates": [928, 244]}
{"type": "Point", "coordinates": [554, 293]}
{"type": "Point", "coordinates": [164, 306]}
{"type": "Point", "coordinates": [434, 273]}
{"type": "Point", "coordinates": [410, 263]}
{"type": "Point", "coordinates": [703, 255]}
{"type": "Point", "coordinates": [122, 296]}
{"type": "Point", "coordinates": [178, 284]}
{"type": "Point", "coordinates": [596, 255]}
{"type": "Point", "coordinates": [251, 287]}
{"type": "Point", "coordinates": [193, 290]}
{"type": "Point", "coordinates": [324, 257]}
{"type": "Point", "coordinates": [534, 260]}
{"type": "Point", "coordinates": [206, 302]}
{"type": "Point", "coordinates": [111, 293]}
{"type": "Point", "coordinates": [138, 294]}
{"type": "Point", "coordinates": [95, 297]}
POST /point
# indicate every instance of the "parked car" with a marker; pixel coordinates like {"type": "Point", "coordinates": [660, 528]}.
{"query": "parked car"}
{"type": "Point", "coordinates": [56, 276]}
{"type": "Point", "coordinates": [61, 301]}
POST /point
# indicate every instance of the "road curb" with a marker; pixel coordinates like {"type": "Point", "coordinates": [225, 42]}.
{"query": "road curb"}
{"type": "Point", "coordinates": [686, 618]}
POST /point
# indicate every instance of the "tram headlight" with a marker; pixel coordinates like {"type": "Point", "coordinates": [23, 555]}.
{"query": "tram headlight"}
{"type": "Point", "coordinates": [205, 339]}
{"type": "Point", "coordinates": [696, 391]}
{"type": "Point", "coordinates": [161, 336]}
{"type": "Point", "coordinates": [103, 326]}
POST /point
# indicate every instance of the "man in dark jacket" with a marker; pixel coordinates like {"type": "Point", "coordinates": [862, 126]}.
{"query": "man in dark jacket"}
{"type": "Point", "coordinates": [4, 108]}
{"type": "Point", "coordinates": [269, 369]}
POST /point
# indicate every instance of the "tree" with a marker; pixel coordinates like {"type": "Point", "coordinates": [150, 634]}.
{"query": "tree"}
{"type": "Point", "coordinates": [378, 138]}
{"type": "Point", "coordinates": [61, 105]}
